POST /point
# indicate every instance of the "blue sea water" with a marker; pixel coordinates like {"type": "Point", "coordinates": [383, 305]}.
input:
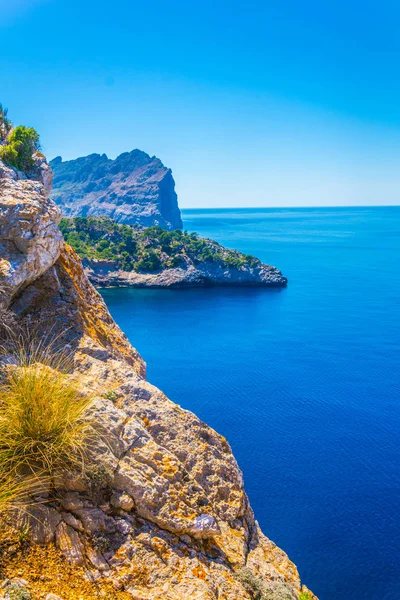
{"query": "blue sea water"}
{"type": "Point", "coordinates": [303, 381]}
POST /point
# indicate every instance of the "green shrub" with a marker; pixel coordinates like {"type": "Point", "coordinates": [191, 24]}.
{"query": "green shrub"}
{"type": "Point", "coordinates": [21, 143]}
{"type": "Point", "coordinates": [5, 124]}
{"type": "Point", "coordinates": [9, 155]}
{"type": "Point", "coordinates": [145, 249]}
{"type": "Point", "coordinates": [103, 244]}
{"type": "Point", "coordinates": [175, 261]}
{"type": "Point", "coordinates": [149, 262]}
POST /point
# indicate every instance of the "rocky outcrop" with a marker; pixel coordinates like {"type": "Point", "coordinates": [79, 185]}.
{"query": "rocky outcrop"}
{"type": "Point", "coordinates": [120, 255]}
{"type": "Point", "coordinates": [103, 273]}
{"type": "Point", "coordinates": [133, 188]}
{"type": "Point", "coordinates": [30, 240]}
{"type": "Point", "coordinates": [161, 512]}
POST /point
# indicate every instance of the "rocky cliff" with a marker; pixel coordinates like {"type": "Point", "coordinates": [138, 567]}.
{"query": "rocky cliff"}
{"type": "Point", "coordinates": [133, 188]}
{"type": "Point", "coordinates": [163, 513]}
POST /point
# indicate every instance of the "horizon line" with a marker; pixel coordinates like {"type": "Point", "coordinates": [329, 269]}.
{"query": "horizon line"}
{"type": "Point", "coordinates": [289, 207]}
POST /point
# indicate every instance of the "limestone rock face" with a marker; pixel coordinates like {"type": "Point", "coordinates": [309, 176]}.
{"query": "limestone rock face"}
{"type": "Point", "coordinates": [133, 188]}
{"type": "Point", "coordinates": [38, 272]}
{"type": "Point", "coordinates": [162, 511]}
{"type": "Point", "coordinates": [30, 241]}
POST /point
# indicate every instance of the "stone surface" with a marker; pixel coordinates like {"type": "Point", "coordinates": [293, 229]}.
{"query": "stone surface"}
{"type": "Point", "coordinates": [161, 511]}
{"type": "Point", "coordinates": [42, 522]}
{"type": "Point", "coordinates": [68, 541]}
{"type": "Point", "coordinates": [122, 501]}
{"type": "Point", "coordinates": [30, 241]}
{"type": "Point", "coordinates": [133, 188]}
{"type": "Point", "coordinates": [103, 273]}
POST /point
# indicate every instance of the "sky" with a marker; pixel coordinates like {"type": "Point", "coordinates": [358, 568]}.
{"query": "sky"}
{"type": "Point", "coordinates": [256, 103]}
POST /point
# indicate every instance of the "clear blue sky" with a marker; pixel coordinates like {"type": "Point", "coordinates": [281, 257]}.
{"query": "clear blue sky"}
{"type": "Point", "coordinates": [257, 103]}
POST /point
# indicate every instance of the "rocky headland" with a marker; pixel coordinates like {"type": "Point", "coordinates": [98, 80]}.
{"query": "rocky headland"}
{"type": "Point", "coordinates": [133, 188]}
{"type": "Point", "coordinates": [157, 509]}
{"type": "Point", "coordinates": [118, 255]}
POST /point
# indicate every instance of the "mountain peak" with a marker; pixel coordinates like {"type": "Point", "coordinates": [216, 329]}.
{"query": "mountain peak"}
{"type": "Point", "coordinates": [133, 189]}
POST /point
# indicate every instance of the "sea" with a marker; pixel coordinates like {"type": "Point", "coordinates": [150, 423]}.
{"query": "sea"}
{"type": "Point", "coordinates": [303, 382]}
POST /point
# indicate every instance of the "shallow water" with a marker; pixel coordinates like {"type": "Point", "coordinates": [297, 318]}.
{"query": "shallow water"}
{"type": "Point", "coordinates": [302, 381]}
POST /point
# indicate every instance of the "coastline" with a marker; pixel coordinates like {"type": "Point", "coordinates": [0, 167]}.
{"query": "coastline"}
{"type": "Point", "coordinates": [105, 274]}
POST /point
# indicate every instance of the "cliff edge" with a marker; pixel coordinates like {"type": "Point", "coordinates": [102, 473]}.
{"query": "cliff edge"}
{"type": "Point", "coordinates": [163, 513]}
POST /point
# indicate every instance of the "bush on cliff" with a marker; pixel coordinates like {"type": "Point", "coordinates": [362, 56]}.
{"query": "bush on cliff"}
{"type": "Point", "coordinates": [260, 590]}
{"type": "Point", "coordinates": [252, 584]}
{"type": "Point", "coordinates": [20, 144]}
{"type": "Point", "coordinates": [5, 123]}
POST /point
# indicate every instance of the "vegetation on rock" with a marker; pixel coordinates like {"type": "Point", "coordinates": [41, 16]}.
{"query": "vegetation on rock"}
{"type": "Point", "coordinates": [16, 592]}
{"type": "Point", "coordinates": [148, 249]}
{"type": "Point", "coordinates": [41, 425]}
{"type": "Point", "coordinates": [259, 590]}
{"type": "Point", "coordinates": [5, 123]}
{"type": "Point", "coordinates": [13, 490]}
{"type": "Point", "coordinates": [43, 432]}
{"type": "Point", "coordinates": [18, 144]}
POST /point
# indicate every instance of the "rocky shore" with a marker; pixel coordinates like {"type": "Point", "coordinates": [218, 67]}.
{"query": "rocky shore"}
{"type": "Point", "coordinates": [106, 274]}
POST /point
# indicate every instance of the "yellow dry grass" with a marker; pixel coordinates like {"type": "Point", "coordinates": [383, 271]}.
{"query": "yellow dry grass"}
{"type": "Point", "coordinates": [41, 420]}
{"type": "Point", "coordinates": [43, 429]}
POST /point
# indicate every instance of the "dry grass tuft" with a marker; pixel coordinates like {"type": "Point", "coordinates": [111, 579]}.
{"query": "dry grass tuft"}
{"type": "Point", "coordinates": [43, 429]}
{"type": "Point", "coordinates": [12, 492]}
{"type": "Point", "coordinates": [41, 420]}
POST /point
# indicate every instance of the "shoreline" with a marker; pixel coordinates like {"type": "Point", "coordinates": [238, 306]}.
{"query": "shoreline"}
{"type": "Point", "coordinates": [207, 276]}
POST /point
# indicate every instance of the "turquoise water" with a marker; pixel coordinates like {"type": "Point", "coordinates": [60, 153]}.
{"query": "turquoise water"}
{"type": "Point", "coordinates": [304, 382]}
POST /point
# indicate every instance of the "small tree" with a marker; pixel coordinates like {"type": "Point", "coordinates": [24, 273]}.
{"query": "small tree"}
{"type": "Point", "coordinates": [22, 142]}
{"type": "Point", "coordinates": [5, 124]}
